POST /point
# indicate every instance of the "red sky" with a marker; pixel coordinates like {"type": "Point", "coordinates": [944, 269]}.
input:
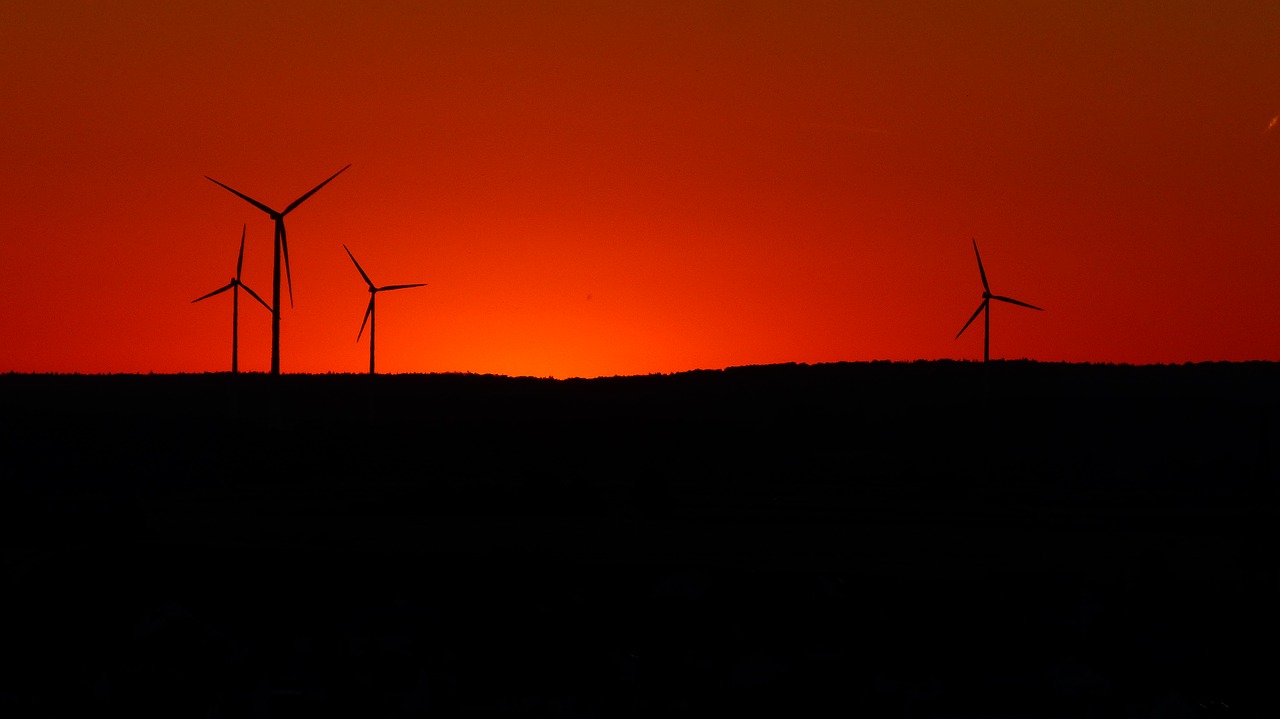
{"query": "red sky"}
{"type": "Point", "coordinates": [598, 188]}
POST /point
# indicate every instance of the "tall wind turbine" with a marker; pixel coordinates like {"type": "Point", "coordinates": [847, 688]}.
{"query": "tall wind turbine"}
{"type": "Point", "coordinates": [281, 246]}
{"type": "Point", "coordinates": [985, 308]}
{"type": "Point", "coordinates": [369, 316]}
{"type": "Point", "coordinates": [234, 285]}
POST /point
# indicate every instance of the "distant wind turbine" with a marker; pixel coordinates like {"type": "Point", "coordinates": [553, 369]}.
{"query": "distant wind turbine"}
{"type": "Point", "coordinates": [369, 316]}
{"type": "Point", "coordinates": [281, 245]}
{"type": "Point", "coordinates": [234, 285]}
{"type": "Point", "coordinates": [985, 308]}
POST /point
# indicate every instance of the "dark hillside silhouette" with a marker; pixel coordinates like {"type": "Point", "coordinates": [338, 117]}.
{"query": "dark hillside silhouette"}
{"type": "Point", "coordinates": [951, 537]}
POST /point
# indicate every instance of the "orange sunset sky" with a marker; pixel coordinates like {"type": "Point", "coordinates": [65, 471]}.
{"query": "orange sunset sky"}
{"type": "Point", "coordinates": [613, 188]}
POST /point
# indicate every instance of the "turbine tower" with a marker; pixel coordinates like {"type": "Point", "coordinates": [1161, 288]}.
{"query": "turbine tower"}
{"type": "Point", "coordinates": [234, 285]}
{"type": "Point", "coordinates": [985, 308]}
{"type": "Point", "coordinates": [369, 316]}
{"type": "Point", "coordinates": [281, 246]}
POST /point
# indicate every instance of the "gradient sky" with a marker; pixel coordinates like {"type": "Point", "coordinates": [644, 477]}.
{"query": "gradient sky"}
{"type": "Point", "coordinates": [598, 188]}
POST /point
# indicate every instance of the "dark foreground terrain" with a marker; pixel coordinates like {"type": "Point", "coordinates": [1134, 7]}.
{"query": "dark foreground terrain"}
{"type": "Point", "coordinates": [880, 539]}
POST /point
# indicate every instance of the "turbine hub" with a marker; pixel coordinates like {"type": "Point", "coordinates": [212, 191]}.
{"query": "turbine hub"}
{"type": "Point", "coordinates": [986, 295]}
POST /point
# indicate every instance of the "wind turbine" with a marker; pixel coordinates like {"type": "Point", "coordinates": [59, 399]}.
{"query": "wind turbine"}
{"type": "Point", "coordinates": [234, 285]}
{"type": "Point", "coordinates": [985, 308]}
{"type": "Point", "coordinates": [281, 245]}
{"type": "Point", "coordinates": [369, 316]}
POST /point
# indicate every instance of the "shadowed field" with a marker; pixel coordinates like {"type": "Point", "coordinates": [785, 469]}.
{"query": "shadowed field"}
{"type": "Point", "coordinates": [931, 538]}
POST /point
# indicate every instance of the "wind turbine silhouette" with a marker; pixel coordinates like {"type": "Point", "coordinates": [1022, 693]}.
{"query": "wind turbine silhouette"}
{"type": "Point", "coordinates": [234, 285]}
{"type": "Point", "coordinates": [369, 316]}
{"type": "Point", "coordinates": [281, 245]}
{"type": "Point", "coordinates": [985, 308]}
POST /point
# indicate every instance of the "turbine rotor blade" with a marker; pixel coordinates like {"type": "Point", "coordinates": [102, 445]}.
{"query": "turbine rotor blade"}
{"type": "Point", "coordinates": [255, 296]}
{"type": "Point", "coordinates": [218, 291]}
{"type": "Point", "coordinates": [313, 191]}
{"type": "Point", "coordinates": [981, 271]}
{"type": "Point", "coordinates": [358, 267]}
{"type": "Point", "coordinates": [401, 287]}
{"type": "Point", "coordinates": [284, 247]}
{"type": "Point", "coordinates": [240, 261]}
{"type": "Point", "coordinates": [243, 196]}
{"type": "Point", "coordinates": [1016, 302]}
{"type": "Point", "coordinates": [368, 311]}
{"type": "Point", "coordinates": [976, 312]}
